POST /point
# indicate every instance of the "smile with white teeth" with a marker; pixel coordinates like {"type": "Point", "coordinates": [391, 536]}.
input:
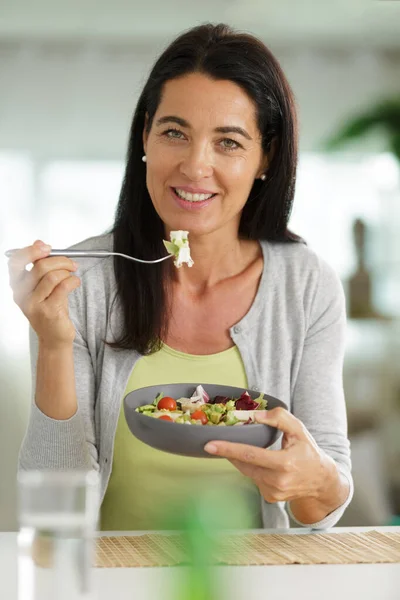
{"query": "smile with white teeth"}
{"type": "Point", "coordinates": [192, 197]}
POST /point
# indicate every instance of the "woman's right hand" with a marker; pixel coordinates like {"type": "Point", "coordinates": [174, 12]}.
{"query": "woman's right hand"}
{"type": "Point", "coordinates": [42, 293]}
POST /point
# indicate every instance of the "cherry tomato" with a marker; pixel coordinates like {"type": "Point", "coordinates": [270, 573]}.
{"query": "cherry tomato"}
{"type": "Point", "coordinates": [165, 418]}
{"type": "Point", "coordinates": [166, 403]}
{"type": "Point", "coordinates": [199, 415]}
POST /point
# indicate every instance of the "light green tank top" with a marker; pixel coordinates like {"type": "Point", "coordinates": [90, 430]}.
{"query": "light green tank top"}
{"type": "Point", "coordinates": [145, 482]}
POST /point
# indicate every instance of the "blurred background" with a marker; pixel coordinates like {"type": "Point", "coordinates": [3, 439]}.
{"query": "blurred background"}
{"type": "Point", "coordinates": [70, 74]}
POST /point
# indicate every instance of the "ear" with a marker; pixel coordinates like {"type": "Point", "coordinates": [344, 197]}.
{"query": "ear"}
{"type": "Point", "coordinates": [145, 134]}
{"type": "Point", "coordinates": [264, 166]}
{"type": "Point", "coordinates": [267, 158]}
{"type": "Point", "coordinates": [272, 149]}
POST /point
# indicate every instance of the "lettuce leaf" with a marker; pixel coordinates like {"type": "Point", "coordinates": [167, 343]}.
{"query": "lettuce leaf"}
{"type": "Point", "coordinates": [262, 402]}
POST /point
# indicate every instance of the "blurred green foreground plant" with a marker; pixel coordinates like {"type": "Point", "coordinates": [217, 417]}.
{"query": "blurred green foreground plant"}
{"type": "Point", "coordinates": [385, 115]}
{"type": "Point", "coordinates": [202, 521]}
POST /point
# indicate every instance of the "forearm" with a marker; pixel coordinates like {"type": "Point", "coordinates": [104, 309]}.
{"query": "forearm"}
{"type": "Point", "coordinates": [55, 383]}
{"type": "Point", "coordinates": [332, 493]}
{"type": "Point", "coordinates": [57, 436]}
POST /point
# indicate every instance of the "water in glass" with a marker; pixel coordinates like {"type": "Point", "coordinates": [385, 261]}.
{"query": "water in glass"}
{"type": "Point", "coordinates": [58, 515]}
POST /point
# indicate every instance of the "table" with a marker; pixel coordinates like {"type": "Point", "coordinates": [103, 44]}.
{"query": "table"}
{"type": "Point", "coordinates": [298, 582]}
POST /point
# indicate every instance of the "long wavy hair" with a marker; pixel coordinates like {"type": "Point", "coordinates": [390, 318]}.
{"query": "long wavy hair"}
{"type": "Point", "coordinates": [221, 53]}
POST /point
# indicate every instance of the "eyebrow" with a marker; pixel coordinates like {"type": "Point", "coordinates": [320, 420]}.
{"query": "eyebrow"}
{"type": "Point", "coordinates": [184, 123]}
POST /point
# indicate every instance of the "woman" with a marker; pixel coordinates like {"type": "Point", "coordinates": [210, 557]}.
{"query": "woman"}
{"type": "Point", "coordinates": [212, 150]}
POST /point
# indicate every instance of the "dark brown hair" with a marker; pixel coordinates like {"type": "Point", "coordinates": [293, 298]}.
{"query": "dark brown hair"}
{"type": "Point", "coordinates": [222, 54]}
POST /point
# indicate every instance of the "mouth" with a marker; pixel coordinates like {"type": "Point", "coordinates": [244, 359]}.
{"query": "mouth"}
{"type": "Point", "coordinates": [189, 200]}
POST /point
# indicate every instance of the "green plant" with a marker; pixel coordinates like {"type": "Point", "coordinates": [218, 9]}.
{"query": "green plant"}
{"type": "Point", "coordinates": [385, 116]}
{"type": "Point", "coordinates": [202, 520]}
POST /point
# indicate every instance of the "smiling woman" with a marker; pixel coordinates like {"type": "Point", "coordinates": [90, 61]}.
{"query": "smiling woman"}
{"type": "Point", "coordinates": [203, 143]}
{"type": "Point", "coordinates": [212, 151]}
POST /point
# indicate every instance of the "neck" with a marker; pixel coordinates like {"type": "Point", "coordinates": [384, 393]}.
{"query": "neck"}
{"type": "Point", "coordinates": [216, 257]}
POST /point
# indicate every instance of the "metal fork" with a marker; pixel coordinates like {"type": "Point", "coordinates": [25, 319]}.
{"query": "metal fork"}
{"type": "Point", "coordinates": [94, 254]}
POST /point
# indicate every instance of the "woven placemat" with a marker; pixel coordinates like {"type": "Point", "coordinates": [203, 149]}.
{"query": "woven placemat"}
{"type": "Point", "coordinates": [159, 550]}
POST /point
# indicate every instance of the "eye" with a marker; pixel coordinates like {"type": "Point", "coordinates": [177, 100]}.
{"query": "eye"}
{"type": "Point", "coordinates": [229, 144]}
{"type": "Point", "coordinates": [173, 134]}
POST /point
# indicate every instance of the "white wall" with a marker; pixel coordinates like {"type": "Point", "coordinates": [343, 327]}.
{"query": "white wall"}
{"type": "Point", "coordinates": [76, 101]}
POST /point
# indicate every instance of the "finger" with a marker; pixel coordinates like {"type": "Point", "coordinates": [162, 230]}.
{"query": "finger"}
{"type": "Point", "coordinates": [268, 482]}
{"type": "Point", "coordinates": [252, 471]}
{"type": "Point", "coordinates": [21, 258]}
{"type": "Point", "coordinates": [252, 455]}
{"type": "Point", "coordinates": [48, 285]}
{"type": "Point", "coordinates": [59, 295]}
{"type": "Point", "coordinates": [51, 264]}
{"type": "Point", "coordinates": [50, 268]}
{"type": "Point", "coordinates": [283, 420]}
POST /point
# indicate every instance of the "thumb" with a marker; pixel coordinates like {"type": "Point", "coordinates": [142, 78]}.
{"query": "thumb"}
{"type": "Point", "coordinates": [283, 420]}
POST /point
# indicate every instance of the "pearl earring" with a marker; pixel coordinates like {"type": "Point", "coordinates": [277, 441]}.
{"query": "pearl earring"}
{"type": "Point", "coordinates": [144, 158]}
{"type": "Point", "coordinates": [263, 177]}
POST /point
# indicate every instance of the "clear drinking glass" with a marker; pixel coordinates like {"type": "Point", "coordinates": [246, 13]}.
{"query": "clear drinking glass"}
{"type": "Point", "coordinates": [58, 516]}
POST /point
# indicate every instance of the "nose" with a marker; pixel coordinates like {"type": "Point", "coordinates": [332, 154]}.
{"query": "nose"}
{"type": "Point", "coordinates": [197, 163]}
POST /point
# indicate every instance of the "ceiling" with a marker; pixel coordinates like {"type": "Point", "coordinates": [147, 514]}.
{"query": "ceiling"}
{"type": "Point", "coordinates": [280, 22]}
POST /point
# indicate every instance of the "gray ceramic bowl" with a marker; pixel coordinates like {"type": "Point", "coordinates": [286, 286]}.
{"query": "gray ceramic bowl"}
{"type": "Point", "coordinates": [189, 440]}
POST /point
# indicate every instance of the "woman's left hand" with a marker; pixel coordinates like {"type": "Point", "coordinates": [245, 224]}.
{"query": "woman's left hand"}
{"type": "Point", "coordinates": [299, 470]}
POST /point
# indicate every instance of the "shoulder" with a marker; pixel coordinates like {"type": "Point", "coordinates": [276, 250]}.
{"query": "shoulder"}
{"type": "Point", "coordinates": [90, 266]}
{"type": "Point", "coordinates": [292, 256]}
{"type": "Point", "coordinates": [302, 278]}
{"type": "Point", "coordinates": [98, 242]}
{"type": "Point", "coordinates": [97, 277]}
{"type": "Point", "coordinates": [298, 262]}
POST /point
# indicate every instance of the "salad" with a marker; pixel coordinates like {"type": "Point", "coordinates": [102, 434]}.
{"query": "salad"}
{"type": "Point", "coordinates": [179, 247]}
{"type": "Point", "coordinates": [200, 409]}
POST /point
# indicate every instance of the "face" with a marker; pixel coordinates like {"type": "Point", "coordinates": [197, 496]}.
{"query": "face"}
{"type": "Point", "coordinates": [203, 154]}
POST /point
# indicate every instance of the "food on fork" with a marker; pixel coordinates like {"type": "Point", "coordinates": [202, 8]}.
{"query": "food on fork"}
{"type": "Point", "coordinates": [179, 247]}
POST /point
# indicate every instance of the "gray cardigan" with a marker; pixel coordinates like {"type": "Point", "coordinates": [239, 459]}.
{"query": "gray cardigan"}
{"type": "Point", "coordinates": [291, 342]}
